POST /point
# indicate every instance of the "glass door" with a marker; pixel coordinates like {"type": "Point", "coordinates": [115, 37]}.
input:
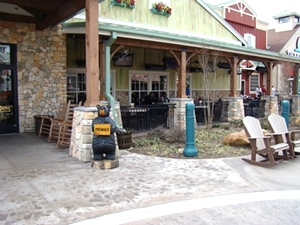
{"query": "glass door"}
{"type": "Point", "coordinates": [76, 88]}
{"type": "Point", "coordinates": [139, 88]}
{"type": "Point", "coordinates": [8, 90]}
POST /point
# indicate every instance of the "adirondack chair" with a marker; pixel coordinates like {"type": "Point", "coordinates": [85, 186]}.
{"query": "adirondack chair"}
{"type": "Point", "coordinates": [278, 126]}
{"type": "Point", "coordinates": [65, 127]}
{"type": "Point", "coordinates": [55, 122]}
{"type": "Point", "coordinates": [261, 145]}
{"type": "Point", "coordinates": [46, 121]}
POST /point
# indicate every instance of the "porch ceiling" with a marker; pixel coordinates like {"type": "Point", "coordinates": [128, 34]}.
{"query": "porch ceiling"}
{"type": "Point", "coordinates": [42, 13]}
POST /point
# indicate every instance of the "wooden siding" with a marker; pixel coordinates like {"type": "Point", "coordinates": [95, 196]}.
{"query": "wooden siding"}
{"type": "Point", "coordinates": [240, 14]}
{"type": "Point", "coordinates": [261, 35]}
{"type": "Point", "coordinates": [261, 39]}
{"type": "Point", "coordinates": [241, 19]}
{"type": "Point", "coordinates": [187, 16]}
{"type": "Point", "coordinates": [242, 29]}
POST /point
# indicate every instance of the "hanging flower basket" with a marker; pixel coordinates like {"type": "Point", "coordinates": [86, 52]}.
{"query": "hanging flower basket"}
{"type": "Point", "coordinates": [161, 8]}
{"type": "Point", "coordinates": [124, 3]}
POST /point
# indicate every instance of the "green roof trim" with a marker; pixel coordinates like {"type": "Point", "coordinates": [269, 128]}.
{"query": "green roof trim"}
{"type": "Point", "coordinates": [285, 14]}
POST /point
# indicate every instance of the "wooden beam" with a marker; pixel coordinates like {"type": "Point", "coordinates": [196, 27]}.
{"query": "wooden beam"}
{"type": "Point", "coordinates": [182, 76]}
{"type": "Point", "coordinates": [92, 54]}
{"type": "Point", "coordinates": [233, 77]}
{"type": "Point", "coordinates": [17, 18]}
{"type": "Point", "coordinates": [66, 10]}
{"type": "Point", "coordinates": [269, 66]}
{"type": "Point", "coordinates": [177, 48]}
{"type": "Point", "coordinates": [102, 71]}
{"type": "Point", "coordinates": [176, 57]}
{"type": "Point", "coordinates": [115, 51]}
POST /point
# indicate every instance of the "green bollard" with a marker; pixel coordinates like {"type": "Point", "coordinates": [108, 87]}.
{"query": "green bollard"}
{"type": "Point", "coordinates": [190, 149]}
{"type": "Point", "coordinates": [285, 111]}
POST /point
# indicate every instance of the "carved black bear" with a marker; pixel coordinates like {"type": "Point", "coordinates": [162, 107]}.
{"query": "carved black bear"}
{"type": "Point", "coordinates": [104, 145]}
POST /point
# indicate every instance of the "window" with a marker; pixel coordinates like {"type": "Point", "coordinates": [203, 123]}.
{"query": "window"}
{"type": "Point", "coordinates": [76, 87]}
{"type": "Point", "coordinates": [251, 40]}
{"type": "Point", "coordinates": [142, 83]}
{"type": "Point", "coordinates": [139, 88]}
{"type": "Point", "coordinates": [296, 19]}
{"type": "Point", "coordinates": [284, 19]}
{"type": "Point", "coordinates": [5, 54]}
{"type": "Point", "coordinates": [254, 81]}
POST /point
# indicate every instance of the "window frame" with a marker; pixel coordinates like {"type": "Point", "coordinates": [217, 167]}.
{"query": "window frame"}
{"type": "Point", "coordinates": [255, 85]}
{"type": "Point", "coordinates": [148, 74]}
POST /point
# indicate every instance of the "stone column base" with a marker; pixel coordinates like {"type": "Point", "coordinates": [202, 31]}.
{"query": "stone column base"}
{"type": "Point", "coordinates": [235, 108]}
{"type": "Point", "coordinates": [179, 111]}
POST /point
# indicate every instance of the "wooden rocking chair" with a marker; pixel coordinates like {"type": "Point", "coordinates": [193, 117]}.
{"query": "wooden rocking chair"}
{"type": "Point", "coordinates": [46, 121]}
{"type": "Point", "coordinates": [261, 145]}
{"type": "Point", "coordinates": [55, 122]}
{"type": "Point", "coordinates": [65, 128]}
{"type": "Point", "coordinates": [278, 126]}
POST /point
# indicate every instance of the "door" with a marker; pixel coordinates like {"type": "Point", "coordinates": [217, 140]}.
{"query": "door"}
{"type": "Point", "coordinates": [9, 122]}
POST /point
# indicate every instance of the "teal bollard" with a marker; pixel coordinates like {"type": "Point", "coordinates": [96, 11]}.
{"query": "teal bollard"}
{"type": "Point", "coordinates": [190, 149]}
{"type": "Point", "coordinates": [285, 111]}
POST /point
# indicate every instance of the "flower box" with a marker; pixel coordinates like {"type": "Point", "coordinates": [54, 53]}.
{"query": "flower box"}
{"type": "Point", "coordinates": [123, 3]}
{"type": "Point", "coordinates": [161, 8]}
{"type": "Point", "coordinates": [163, 13]}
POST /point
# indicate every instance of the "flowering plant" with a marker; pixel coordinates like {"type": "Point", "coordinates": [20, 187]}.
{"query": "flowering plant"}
{"type": "Point", "coordinates": [162, 7]}
{"type": "Point", "coordinates": [126, 2]}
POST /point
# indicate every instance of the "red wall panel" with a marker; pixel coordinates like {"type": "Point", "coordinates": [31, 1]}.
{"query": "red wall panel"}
{"type": "Point", "coordinates": [261, 36]}
{"type": "Point", "coordinates": [261, 39]}
{"type": "Point", "coordinates": [237, 17]}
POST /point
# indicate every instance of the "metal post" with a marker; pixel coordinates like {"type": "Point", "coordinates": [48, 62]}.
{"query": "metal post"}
{"type": "Point", "coordinates": [285, 111]}
{"type": "Point", "coordinates": [190, 149]}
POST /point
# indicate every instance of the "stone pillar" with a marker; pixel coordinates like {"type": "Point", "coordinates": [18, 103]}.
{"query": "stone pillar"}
{"type": "Point", "coordinates": [179, 111]}
{"type": "Point", "coordinates": [82, 135]}
{"type": "Point", "coordinates": [296, 104]}
{"type": "Point", "coordinates": [235, 108]}
{"type": "Point", "coordinates": [271, 105]}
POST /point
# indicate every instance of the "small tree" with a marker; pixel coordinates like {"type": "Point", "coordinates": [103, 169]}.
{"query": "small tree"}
{"type": "Point", "coordinates": [208, 62]}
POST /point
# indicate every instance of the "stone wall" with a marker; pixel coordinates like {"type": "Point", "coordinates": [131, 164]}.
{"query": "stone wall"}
{"type": "Point", "coordinates": [41, 57]}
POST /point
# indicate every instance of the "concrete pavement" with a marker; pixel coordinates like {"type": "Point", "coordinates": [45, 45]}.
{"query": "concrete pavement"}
{"type": "Point", "coordinates": [41, 184]}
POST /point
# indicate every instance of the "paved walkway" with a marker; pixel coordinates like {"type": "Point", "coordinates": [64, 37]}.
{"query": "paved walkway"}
{"type": "Point", "coordinates": [41, 184]}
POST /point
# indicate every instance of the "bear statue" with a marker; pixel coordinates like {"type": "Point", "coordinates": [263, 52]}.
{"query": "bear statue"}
{"type": "Point", "coordinates": [103, 127]}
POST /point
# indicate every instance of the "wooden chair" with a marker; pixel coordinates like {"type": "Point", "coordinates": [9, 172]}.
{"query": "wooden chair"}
{"type": "Point", "coordinates": [261, 145]}
{"type": "Point", "coordinates": [55, 122]}
{"type": "Point", "coordinates": [65, 127]}
{"type": "Point", "coordinates": [278, 126]}
{"type": "Point", "coordinates": [64, 135]}
{"type": "Point", "coordinates": [46, 121]}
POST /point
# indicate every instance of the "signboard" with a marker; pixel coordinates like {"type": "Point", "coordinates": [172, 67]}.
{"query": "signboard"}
{"type": "Point", "coordinates": [102, 129]}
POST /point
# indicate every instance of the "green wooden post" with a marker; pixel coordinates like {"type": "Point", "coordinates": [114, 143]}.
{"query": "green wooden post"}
{"type": "Point", "coordinates": [190, 149]}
